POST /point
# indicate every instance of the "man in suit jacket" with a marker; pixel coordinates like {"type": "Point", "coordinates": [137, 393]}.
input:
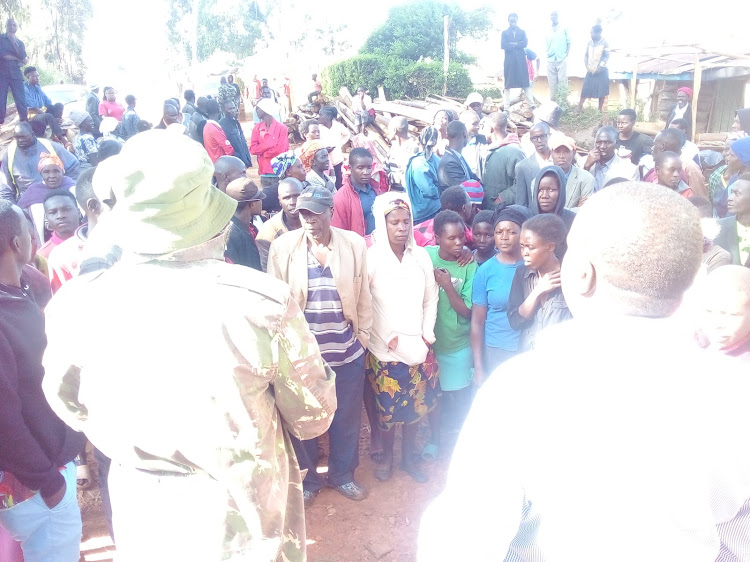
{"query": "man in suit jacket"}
{"type": "Point", "coordinates": [453, 168]}
{"type": "Point", "coordinates": [527, 169]}
{"type": "Point", "coordinates": [734, 235]}
{"type": "Point", "coordinates": [604, 164]}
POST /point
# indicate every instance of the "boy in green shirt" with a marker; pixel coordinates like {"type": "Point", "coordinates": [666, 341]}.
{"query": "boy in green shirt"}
{"type": "Point", "coordinates": [452, 346]}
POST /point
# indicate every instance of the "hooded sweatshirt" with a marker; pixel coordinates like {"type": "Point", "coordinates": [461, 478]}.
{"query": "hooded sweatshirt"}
{"type": "Point", "coordinates": [566, 215]}
{"type": "Point", "coordinates": [35, 443]}
{"type": "Point", "coordinates": [404, 293]}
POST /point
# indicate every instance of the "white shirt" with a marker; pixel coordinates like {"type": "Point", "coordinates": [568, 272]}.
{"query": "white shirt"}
{"type": "Point", "coordinates": [615, 441]}
{"type": "Point", "coordinates": [337, 136]}
{"type": "Point", "coordinates": [404, 299]}
{"type": "Point", "coordinates": [617, 167]}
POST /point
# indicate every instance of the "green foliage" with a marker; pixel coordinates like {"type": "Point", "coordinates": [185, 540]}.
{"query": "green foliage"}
{"type": "Point", "coordinates": [232, 27]}
{"type": "Point", "coordinates": [63, 49]}
{"type": "Point", "coordinates": [400, 78]}
{"type": "Point", "coordinates": [415, 31]}
{"type": "Point", "coordinates": [48, 76]}
{"type": "Point", "coordinates": [490, 92]}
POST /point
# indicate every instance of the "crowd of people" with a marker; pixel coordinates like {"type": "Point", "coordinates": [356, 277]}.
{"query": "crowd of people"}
{"type": "Point", "coordinates": [205, 330]}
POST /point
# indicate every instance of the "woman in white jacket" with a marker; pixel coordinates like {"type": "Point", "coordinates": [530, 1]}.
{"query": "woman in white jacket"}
{"type": "Point", "coordinates": [401, 366]}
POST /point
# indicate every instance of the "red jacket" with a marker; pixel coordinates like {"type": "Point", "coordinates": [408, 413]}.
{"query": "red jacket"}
{"type": "Point", "coordinates": [347, 208]}
{"type": "Point", "coordinates": [215, 141]}
{"type": "Point", "coordinates": [267, 143]}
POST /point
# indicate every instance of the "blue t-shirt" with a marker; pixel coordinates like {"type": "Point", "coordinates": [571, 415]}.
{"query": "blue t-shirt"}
{"type": "Point", "coordinates": [367, 199]}
{"type": "Point", "coordinates": [491, 289]}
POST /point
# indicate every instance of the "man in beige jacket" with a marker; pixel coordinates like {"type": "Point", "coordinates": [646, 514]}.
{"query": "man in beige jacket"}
{"type": "Point", "coordinates": [326, 268]}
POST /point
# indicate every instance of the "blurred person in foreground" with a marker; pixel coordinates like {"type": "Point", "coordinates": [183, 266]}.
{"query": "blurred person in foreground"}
{"type": "Point", "coordinates": [726, 308]}
{"type": "Point", "coordinates": [197, 409]}
{"type": "Point", "coordinates": [617, 438]}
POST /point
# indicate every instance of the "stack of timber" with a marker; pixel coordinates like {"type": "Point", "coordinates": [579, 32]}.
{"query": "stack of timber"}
{"type": "Point", "coordinates": [419, 114]}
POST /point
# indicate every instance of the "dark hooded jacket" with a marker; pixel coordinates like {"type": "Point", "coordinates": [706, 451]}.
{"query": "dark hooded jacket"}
{"type": "Point", "coordinates": [34, 442]}
{"type": "Point", "coordinates": [566, 215]}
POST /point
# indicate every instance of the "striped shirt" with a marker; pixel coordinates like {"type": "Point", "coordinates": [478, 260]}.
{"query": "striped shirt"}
{"type": "Point", "coordinates": [325, 315]}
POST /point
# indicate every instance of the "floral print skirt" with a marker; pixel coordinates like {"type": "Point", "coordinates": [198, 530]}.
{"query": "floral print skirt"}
{"type": "Point", "coordinates": [403, 394]}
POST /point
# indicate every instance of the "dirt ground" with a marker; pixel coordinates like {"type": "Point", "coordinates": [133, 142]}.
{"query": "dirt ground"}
{"type": "Point", "coordinates": [383, 527]}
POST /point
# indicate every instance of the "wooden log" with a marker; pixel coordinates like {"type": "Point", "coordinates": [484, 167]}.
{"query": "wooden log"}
{"type": "Point", "coordinates": [411, 113]}
{"type": "Point", "coordinates": [712, 137]}
{"type": "Point", "coordinates": [442, 100]}
{"type": "Point", "coordinates": [413, 103]}
{"type": "Point", "coordinates": [346, 96]}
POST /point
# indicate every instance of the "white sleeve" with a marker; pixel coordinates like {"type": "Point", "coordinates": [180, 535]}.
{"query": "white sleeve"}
{"type": "Point", "coordinates": [479, 512]}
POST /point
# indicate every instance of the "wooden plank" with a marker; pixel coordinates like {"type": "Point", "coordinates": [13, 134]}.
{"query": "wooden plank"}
{"type": "Point", "coordinates": [411, 113]}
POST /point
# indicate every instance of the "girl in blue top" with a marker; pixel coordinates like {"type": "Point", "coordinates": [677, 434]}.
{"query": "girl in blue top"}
{"type": "Point", "coordinates": [492, 338]}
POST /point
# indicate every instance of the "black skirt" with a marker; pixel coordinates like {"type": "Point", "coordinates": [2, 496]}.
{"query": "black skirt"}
{"type": "Point", "coordinates": [596, 85]}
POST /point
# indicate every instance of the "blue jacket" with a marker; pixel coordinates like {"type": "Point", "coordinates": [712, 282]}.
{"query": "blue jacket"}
{"type": "Point", "coordinates": [421, 181]}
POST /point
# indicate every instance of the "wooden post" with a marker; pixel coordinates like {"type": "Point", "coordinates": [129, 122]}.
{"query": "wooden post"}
{"type": "Point", "coordinates": [697, 79]}
{"type": "Point", "coordinates": [634, 82]}
{"type": "Point", "coordinates": [446, 51]}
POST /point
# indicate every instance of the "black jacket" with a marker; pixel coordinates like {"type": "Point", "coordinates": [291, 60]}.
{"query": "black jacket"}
{"type": "Point", "coordinates": [34, 442]}
{"type": "Point", "coordinates": [237, 139]}
{"type": "Point", "coordinates": [566, 215]}
{"type": "Point", "coordinates": [728, 239]}
{"type": "Point", "coordinates": [451, 171]}
{"type": "Point", "coordinates": [241, 247]}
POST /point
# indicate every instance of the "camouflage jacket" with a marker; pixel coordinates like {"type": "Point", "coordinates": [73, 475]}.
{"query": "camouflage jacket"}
{"type": "Point", "coordinates": [188, 364]}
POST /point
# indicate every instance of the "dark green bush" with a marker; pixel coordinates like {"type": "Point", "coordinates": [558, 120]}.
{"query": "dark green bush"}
{"type": "Point", "coordinates": [400, 78]}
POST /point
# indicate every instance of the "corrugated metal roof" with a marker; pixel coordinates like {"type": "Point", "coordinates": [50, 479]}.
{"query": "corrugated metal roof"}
{"type": "Point", "coordinates": [672, 60]}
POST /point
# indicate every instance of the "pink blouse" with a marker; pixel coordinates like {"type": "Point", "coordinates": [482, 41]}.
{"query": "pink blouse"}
{"type": "Point", "coordinates": [111, 109]}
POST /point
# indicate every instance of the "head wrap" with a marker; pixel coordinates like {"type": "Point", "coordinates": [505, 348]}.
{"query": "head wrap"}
{"type": "Point", "coordinates": [687, 91]}
{"type": "Point", "coordinates": [267, 106]}
{"type": "Point", "coordinates": [514, 213]}
{"type": "Point", "coordinates": [46, 159]}
{"type": "Point", "coordinates": [281, 163]}
{"type": "Point", "coordinates": [394, 204]}
{"type": "Point", "coordinates": [741, 148]}
{"type": "Point", "coordinates": [309, 149]}
{"type": "Point", "coordinates": [79, 117]}
{"type": "Point", "coordinates": [428, 138]}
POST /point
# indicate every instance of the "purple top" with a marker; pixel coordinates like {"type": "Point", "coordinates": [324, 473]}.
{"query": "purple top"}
{"type": "Point", "coordinates": [36, 192]}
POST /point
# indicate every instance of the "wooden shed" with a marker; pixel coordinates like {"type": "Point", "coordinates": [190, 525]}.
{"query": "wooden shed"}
{"type": "Point", "coordinates": [720, 82]}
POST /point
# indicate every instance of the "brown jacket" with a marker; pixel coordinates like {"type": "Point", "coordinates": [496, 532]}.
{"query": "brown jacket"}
{"type": "Point", "coordinates": [287, 260]}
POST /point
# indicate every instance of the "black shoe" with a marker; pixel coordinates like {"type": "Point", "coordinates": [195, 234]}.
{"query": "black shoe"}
{"type": "Point", "coordinates": [413, 471]}
{"type": "Point", "coordinates": [309, 496]}
{"type": "Point", "coordinates": [352, 490]}
{"type": "Point", "coordinates": [383, 472]}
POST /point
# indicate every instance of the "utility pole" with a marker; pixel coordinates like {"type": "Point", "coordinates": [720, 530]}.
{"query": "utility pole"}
{"type": "Point", "coordinates": [446, 51]}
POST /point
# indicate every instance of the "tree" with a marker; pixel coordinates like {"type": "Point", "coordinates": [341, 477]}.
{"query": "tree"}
{"type": "Point", "coordinates": [233, 27]}
{"type": "Point", "coordinates": [67, 21]}
{"type": "Point", "coordinates": [415, 31]}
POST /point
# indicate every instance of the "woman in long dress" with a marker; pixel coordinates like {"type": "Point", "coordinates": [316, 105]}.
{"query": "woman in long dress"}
{"type": "Point", "coordinates": [596, 82]}
{"type": "Point", "coordinates": [401, 366]}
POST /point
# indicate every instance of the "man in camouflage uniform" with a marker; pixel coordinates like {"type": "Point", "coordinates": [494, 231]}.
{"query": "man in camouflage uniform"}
{"type": "Point", "coordinates": [188, 372]}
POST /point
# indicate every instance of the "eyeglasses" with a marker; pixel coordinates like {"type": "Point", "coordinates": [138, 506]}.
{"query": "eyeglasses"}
{"type": "Point", "coordinates": [538, 138]}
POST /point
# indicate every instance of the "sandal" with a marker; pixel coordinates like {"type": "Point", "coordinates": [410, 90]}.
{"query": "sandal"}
{"type": "Point", "coordinates": [83, 476]}
{"type": "Point", "coordinates": [430, 452]}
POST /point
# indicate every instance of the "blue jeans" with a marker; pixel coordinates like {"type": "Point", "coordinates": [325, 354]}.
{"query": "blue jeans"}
{"type": "Point", "coordinates": [47, 535]}
{"type": "Point", "coordinates": [19, 97]}
{"type": "Point", "coordinates": [343, 434]}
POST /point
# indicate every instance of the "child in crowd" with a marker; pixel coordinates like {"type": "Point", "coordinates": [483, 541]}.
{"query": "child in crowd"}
{"type": "Point", "coordinates": [536, 299]}
{"type": "Point", "coordinates": [483, 237]}
{"type": "Point", "coordinates": [452, 345]}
